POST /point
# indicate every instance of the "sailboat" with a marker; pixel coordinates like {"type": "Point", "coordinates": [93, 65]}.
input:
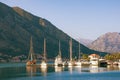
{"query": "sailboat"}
{"type": "Point", "coordinates": [31, 57]}
{"type": "Point", "coordinates": [70, 63]}
{"type": "Point", "coordinates": [78, 63]}
{"type": "Point", "coordinates": [58, 59]}
{"type": "Point", "coordinates": [43, 63]}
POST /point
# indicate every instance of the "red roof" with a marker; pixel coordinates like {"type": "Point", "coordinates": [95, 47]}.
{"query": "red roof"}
{"type": "Point", "coordinates": [94, 55]}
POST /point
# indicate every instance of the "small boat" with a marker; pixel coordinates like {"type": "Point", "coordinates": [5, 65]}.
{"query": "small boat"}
{"type": "Point", "coordinates": [58, 59]}
{"type": "Point", "coordinates": [94, 62]}
{"type": "Point", "coordinates": [31, 57]}
{"type": "Point", "coordinates": [43, 63]}
{"type": "Point", "coordinates": [65, 63]}
{"type": "Point", "coordinates": [115, 63]}
{"type": "Point", "coordinates": [102, 62]}
{"type": "Point", "coordinates": [78, 63]}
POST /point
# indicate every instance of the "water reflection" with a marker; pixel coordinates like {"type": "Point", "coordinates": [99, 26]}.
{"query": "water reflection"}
{"type": "Point", "coordinates": [70, 68]}
{"type": "Point", "coordinates": [44, 71]}
{"type": "Point", "coordinates": [94, 69]}
{"type": "Point", "coordinates": [58, 73]}
{"type": "Point", "coordinates": [112, 67]}
{"type": "Point", "coordinates": [58, 69]}
{"type": "Point", "coordinates": [31, 70]}
{"type": "Point", "coordinates": [78, 68]}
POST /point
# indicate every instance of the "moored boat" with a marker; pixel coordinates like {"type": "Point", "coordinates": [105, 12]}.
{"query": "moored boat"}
{"type": "Point", "coordinates": [43, 63]}
{"type": "Point", "coordinates": [78, 63]}
{"type": "Point", "coordinates": [94, 62]}
{"type": "Point", "coordinates": [70, 63]}
{"type": "Point", "coordinates": [58, 59]}
{"type": "Point", "coordinates": [31, 57]}
{"type": "Point", "coordinates": [102, 62]}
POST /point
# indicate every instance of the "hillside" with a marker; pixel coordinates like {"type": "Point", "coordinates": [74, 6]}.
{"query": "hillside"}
{"type": "Point", "coordinates": [109, 42]}
{"type": "Point", "coordinates": [18, 25]}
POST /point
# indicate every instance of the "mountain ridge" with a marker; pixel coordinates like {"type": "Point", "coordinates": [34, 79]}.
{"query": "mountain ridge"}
{"type": "Point", "coordinates": [18, 25]}
{"type": "Point", "coordinates": [108, 42]}
{"type": "Point", "coordinates": [85, 42]}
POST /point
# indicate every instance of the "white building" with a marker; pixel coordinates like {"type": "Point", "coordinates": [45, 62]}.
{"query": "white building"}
{"type": "Point", "coordinates": [94, 59]}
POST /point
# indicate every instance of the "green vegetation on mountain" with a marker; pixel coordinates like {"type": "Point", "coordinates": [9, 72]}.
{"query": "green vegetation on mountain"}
{"type": "Point", "coordinates": [17, 26]}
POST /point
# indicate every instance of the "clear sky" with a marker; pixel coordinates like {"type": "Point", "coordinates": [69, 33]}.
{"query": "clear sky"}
{"type": "Point", "coordinates": [79, 18]}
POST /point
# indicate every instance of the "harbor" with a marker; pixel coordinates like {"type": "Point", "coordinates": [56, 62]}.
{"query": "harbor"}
{"type": "Point", "coordinates": [59, 40]}
{"type": "Point", "coordinates": [94, 59]}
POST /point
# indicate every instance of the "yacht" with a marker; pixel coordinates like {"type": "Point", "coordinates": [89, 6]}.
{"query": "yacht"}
{"type": "Point", "coordinates": [31, 57]}
{"type": "Point", "coordinates": [70, 63]}
{"type": "Point", "coordinates": [43, 63]}
{"type": "Point", "coordinates": [58, 59]}
{"type": "Point", "coordinates": [78, 63]}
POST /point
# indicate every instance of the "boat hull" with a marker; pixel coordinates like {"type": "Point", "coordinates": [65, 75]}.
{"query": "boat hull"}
{"type": "Point", "coordinates": [30, 63]}
{"type": "Point", "coordinates": [43, 64]}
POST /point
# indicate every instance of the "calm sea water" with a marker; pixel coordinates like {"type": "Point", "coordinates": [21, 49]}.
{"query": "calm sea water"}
{"type": "Point", "coordinates": [18, 71]}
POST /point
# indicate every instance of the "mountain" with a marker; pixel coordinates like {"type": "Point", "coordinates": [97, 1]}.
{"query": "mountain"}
{"type": "Point", "coordinates": [109, 42]}
{"type": "Point", "coordinates": [18, 25]}
{"type": "Point", "coordinates": [85, 42]}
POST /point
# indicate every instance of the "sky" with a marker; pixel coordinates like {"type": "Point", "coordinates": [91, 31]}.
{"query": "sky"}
{"type": "Point", "coordinates": [86, 19]}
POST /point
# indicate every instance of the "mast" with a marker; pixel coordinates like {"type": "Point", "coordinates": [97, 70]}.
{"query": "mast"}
{"type": "Point", "coordinates": [44, 55]}
{"type": "Point", "coordinates": [70, 43]}
{"type": "Point", "coordinates": [59, 49]}
{"type": "Point", "coordinates": [79, 52]}
{"type": "Point", "coordinates": [31, 52]}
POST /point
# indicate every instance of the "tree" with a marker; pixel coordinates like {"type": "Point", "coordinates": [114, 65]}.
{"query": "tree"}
{"type": "Point", "coordinates": [85, 56]}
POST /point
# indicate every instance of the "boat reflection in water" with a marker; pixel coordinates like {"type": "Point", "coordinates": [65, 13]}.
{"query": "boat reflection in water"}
{"type": "Point", "coordinates": [70, 68]}
{"type": "Point", "coordinates": [58, 68]}
{"type": "Point", "coordinates": [94, 69]}
{"type": "Point", "coordinates": [78, 68]}
{"type": "Point", "coordinates": [112, 67]}
{"type": "Point", "coordinates": [31, 70]}
{"type": "Point", "coordinates": [44, 71]}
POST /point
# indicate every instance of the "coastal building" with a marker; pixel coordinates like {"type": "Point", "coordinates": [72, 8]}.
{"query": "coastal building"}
{"type": "Point", "coordinates": [94, 59]}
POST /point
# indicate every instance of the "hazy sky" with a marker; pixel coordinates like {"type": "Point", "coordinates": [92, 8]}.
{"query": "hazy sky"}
{"type": "Point", "coordinates": [79, 18]}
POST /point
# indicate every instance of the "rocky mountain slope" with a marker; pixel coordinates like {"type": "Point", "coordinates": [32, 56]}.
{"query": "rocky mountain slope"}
{"type": "Point", "coordinates": [18, 25]}
{"type": "Point", "coordinates": [85, 42]}
{"type": "Point", "coordinates": [109, 42]}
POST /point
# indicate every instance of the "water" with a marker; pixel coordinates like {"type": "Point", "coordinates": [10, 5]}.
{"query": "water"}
{"type": "Point", "coordinates": [18, 71]}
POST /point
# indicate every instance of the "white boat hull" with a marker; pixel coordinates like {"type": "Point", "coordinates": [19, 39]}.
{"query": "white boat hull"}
{"type": "Point", "coordinates": [58, 61]}
{"type": "Point", "coordinates": [94, 63]}
{"type": "Point", "coordinates": [78, 63]}
{"type": "Point", "coordinates": [43, 64]}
